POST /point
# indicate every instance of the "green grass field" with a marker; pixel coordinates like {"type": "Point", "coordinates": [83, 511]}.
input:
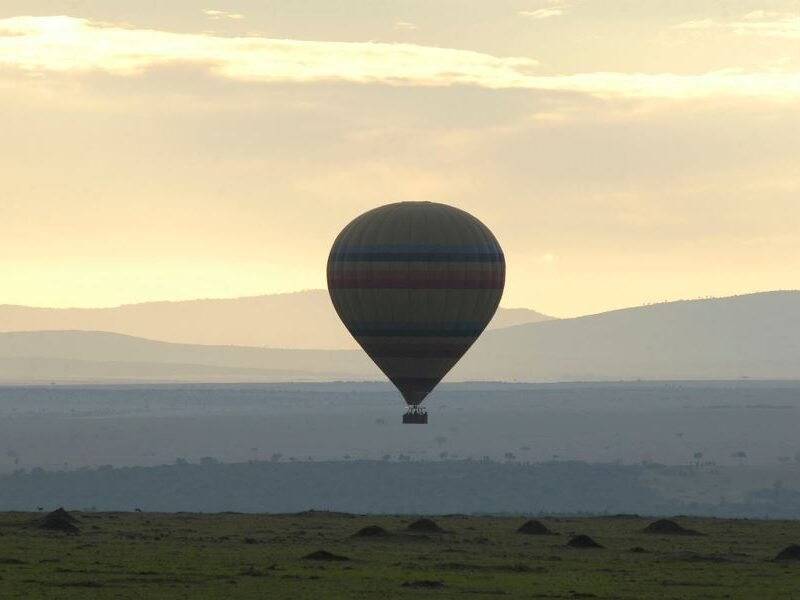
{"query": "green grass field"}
{"type": "Point", "coordinates": [140, 555]}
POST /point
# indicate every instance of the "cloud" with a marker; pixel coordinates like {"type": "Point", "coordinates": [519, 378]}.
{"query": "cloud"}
{"type": "Point", "coordinates": [554, 8]}
{"type": "Point", "coordinates": [70, 44]}
{"type": "Point", "coordinates": [758, 23]}
{"type": "Point", "coordinates": [542, 13]}
{"type": "Point", "coordinates": [405, 26]}
{"type": "Point", "coordinates": [218, 15]}
{"type": "Point", "coordinates": [77, 46]}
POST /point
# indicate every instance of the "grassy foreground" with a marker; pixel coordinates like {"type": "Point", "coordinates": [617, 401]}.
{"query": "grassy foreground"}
{"type": "Point", "coordinates": [141, 555]}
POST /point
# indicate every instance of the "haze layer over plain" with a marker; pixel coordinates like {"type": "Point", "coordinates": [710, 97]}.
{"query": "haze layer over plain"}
{"type": "Point", "coordinates": [622, 152]}
{"type": "Point", "coordinates": [70, 427]}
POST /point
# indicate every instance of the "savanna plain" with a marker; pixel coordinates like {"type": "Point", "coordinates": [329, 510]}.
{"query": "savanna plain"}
{"type": "Point", "coordinates": [333, 555]}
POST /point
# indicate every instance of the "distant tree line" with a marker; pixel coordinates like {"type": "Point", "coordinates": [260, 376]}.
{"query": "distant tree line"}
{"type": "Point", "coordinates": [440, 487]}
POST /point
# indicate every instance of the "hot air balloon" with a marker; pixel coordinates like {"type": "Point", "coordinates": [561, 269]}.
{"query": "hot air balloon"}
{"type": "Point", "coordinates": [416, 283]}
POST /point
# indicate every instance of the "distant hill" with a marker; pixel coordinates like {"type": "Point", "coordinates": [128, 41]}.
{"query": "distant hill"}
{"type": "Point", "coordinates": [755, 336]}
{"type": "Point", "coordinates": [97, 355]}
{"type": "Point", "coordinates": [298, 320]}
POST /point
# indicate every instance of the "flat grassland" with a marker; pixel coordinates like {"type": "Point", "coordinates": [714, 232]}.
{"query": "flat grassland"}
{"type": "Point", "coordinates": [145, 555]}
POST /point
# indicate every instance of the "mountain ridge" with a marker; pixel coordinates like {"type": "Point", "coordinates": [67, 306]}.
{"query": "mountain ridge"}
{"type": "Point", "coordinates": [749, 336]}
{"type": "Point", "coordinates": [298, 320]}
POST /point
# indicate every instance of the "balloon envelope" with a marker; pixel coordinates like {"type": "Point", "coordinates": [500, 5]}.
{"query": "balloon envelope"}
{"type": "Point", "coordinates": [416, 283]}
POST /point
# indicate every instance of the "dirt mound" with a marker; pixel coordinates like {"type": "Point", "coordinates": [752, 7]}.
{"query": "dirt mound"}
{"type": "Point", "coordinates": [59, 520]}
{"type": "Point", "coordinates": [424, 526]}
{"type": "Point", "coordinates": [789, 553]}
{"type": "Point", "coordinates": [534, 528]}
{"type": "Point", "coordinates": [424, 583]}
{"type": "Point", "coordinates": [667, 527]}
{"type": "Point", "coordinates": [371, 531]}
{"type": "Point", "coordinates": [325, 555]}
{"type": "Point", "coordinates": [323, 513]}
{"type": "Point", "coordinates": [61, 513]}
{"type": "Point", "coordinates": [583, 542]}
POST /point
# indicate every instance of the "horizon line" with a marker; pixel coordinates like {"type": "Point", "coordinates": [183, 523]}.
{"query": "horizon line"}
{"type": "Point", "coordinates": [322, 290]}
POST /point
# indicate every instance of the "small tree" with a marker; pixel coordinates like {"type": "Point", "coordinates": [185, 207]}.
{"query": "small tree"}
{"type": "Point", "coordinates": [741, 456]}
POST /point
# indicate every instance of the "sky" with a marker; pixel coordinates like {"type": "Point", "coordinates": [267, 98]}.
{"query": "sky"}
{"type": "Point", "coordinates": [623, 152]}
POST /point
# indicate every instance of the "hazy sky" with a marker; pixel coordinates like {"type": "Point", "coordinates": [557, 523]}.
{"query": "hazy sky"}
{"type": "Point", "coordinates": [623, 151]}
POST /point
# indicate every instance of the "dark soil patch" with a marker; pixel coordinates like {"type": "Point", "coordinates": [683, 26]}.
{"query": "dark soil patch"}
{"type": "Point", "coordinates": [371, 531]}
{"type": "Point", "coordinates": [534, 527]}
{"type": "Point", "coordinates": [638, 550]}
{"type": "Point", "coordinates": [515, 568]}
{"type": "Point", "coordinates": [429, 584]}
{"type": "Point", "coordinates": [326, 556]}
{"type": "Point", "coordinates": [667, 527]}
{"type": "Point", "coordinates": [425, 526]}
{"type": "Point", "coordinates": [59, 520]}
{"type": "Point", "coordinates": [583, 542]}
{"type": "Point", "coordinates": [478, 540]}
{"type": "Point", "coordinates": [11, 561]}
{"type": "Point", "coordinates": [708, 558]}
{"type": "Point", "coordinates": [789, 553]}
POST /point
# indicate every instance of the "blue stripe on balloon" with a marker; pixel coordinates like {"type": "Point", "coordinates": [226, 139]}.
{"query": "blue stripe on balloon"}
{"type": "Point", "coordinates": [418, 253]}
{"type": "Point", "coordinates": [421, 348]}
{"type": "Point", "coordinates": [464, 329]}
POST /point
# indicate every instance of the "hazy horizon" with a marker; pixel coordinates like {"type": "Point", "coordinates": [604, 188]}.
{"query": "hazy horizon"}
{"type": "Point", "coordinates": [207, 299]}
{"type": "Point", "coordinates": [322, 290]}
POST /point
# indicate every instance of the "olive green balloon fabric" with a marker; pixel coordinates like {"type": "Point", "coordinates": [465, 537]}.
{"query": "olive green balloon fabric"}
{"type": "Point", "coordinates": [416, 283]}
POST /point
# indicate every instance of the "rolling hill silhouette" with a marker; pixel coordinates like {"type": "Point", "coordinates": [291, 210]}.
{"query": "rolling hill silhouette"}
{"type": "Point", "coordinates": [298, 320]}
{"type": "Point", "coordinates": [756, 336]}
